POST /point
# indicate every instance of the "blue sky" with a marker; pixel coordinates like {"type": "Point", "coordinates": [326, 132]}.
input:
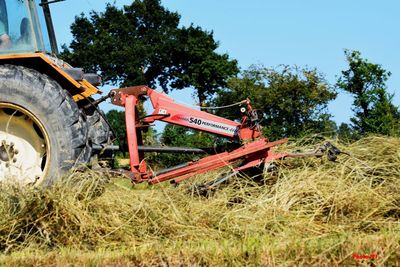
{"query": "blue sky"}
{"type": "Point", "coordinates": [311, 33]}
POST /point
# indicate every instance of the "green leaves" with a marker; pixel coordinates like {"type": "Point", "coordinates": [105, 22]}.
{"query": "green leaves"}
{"type": "Point", "coordinates": [143, 44]}
{"type": "Point", "coordinates": [293, 100]}
{"type": "Point", "coordinates": [117, 122]}
{"type": "Point", "coordinates": [198, 65]}
{"type": "Point", "coordinates": [374, 111]}
{"type": "Point", "coordinates": [181, 137]}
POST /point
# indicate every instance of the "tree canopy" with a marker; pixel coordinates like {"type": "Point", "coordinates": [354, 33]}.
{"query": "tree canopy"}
{"type": "Point", "coordinates": [142, 43]}
{"type": "Point", "coordinates": [179, 136]}
{"type": "Point", "coordinates": [117, 122]}
{"type": "Point", "coordinates": [293, 101]}
{"type": "Point", "coordinates": [373, 107]}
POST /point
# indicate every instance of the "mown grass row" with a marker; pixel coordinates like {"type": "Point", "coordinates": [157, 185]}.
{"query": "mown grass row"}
{"type": "Point", "coordinates": [310, 212]}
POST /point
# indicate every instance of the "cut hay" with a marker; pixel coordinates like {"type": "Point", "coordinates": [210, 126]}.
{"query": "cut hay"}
{"type": "Point", "coordinates": [311, 212]}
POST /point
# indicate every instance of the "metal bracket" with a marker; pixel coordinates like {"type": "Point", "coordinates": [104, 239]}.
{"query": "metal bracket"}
{"type": "Point", "coordinates": [46, 3]}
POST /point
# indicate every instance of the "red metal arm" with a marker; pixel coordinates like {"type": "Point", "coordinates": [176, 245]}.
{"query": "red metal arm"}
{"type": "Point", "coordinates": [130, 119]}
{"type": "Point", "coordinates": [253, 155]}
{"type": "Point", "coordinates": [189, 117]}
{"type": "Point", "coordinates": [165, 109]}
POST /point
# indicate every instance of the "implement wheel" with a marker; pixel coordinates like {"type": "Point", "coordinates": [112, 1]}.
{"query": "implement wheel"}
{"type": "Point", "coordinates": [42, 133]}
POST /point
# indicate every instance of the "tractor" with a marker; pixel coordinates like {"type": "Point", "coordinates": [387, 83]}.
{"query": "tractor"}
{"type": "Point", "coordinates": [46, 126]}
{"type": "Point", "coordinates": [49, 120]}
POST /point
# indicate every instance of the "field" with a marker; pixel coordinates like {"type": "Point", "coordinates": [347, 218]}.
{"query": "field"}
{"type": "Point", "coordinates": [308, 212]}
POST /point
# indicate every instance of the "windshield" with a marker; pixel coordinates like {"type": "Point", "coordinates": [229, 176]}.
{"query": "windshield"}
{"type": "Point", "coordinates": [42, 28]}
{"type": "Point", "coordinates": [19, 27]}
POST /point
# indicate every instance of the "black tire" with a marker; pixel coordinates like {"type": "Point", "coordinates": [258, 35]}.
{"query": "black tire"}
{"type": "Point", "coordinates": [100, 133]}
{"type": "Point", "coordinates": [53, 107]}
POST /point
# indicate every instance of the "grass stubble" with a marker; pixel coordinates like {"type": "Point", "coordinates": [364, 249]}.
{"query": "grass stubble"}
{"type": "Point", "coordinates": [310, 212]}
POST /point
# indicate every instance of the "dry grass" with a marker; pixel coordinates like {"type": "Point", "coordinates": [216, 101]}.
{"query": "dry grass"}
{"type": "Point", "coordinates": [312, 212]}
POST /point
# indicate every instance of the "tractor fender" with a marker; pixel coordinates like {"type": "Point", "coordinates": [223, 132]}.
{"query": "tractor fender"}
{"type": "Point", "coordinates": [54, 68]}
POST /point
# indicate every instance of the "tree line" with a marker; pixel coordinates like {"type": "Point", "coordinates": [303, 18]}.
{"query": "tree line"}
{"type": "Point", "coordinates": [143, 43]}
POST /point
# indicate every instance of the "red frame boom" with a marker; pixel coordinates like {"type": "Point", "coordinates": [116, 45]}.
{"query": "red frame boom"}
{"type": "Point", "coordinates": [254, 152]}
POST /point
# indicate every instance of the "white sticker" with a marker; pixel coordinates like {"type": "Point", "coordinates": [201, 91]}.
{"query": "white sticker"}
{"type": "Point", "coordinates": [162, 111]}
{"type": "Point", "coordinates": [210, 125]}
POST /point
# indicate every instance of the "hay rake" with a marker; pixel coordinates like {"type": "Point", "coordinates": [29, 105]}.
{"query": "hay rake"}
{"type": "Point", "coordinates": [253, 149]}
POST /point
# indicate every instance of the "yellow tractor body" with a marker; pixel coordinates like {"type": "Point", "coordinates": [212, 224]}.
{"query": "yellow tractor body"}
{"type": "Point", "coordinates": [47, 123]}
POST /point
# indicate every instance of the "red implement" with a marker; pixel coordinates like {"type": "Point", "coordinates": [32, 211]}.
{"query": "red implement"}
{"type": "Point", "coordinates": [254, 151]}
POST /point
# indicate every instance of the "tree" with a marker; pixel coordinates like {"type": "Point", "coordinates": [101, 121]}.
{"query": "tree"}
{"type": "Point", "coordinates": [142, 44]}
{"type": "Point", "coordinates": [347, 133]}
{"type": "Point", "coordinates": [181, 137]}
{"type": "Point", "coordinates": [198, 65]}
{"type": "Point", "coordinates": [293, 101]}
{"type": "Point", "coordinates": [365, 81]}
{"type": "Point", "coordinates": [117, 122]}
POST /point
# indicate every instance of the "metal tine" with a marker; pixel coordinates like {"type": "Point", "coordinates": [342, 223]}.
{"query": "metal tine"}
{"type": "Point", "coordinates": [218, 181]}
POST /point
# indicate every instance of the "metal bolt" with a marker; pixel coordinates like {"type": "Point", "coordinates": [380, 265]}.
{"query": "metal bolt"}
{"type": "Point", "coordinates": [16, 152]}
{"type": "Point", "coordinates": [14, 160]}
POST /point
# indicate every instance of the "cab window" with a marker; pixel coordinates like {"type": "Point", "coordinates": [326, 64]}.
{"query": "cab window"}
{"type": "Point", "coordinates": [17, 21]}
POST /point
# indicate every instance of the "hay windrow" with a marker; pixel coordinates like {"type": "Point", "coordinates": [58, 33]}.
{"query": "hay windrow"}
{"type": "Point", "coordinates": [311, 211]}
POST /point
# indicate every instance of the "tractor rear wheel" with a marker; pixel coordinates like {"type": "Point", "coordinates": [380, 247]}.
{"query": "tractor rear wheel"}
{"type": "Point", "coordinates": [42, 132]}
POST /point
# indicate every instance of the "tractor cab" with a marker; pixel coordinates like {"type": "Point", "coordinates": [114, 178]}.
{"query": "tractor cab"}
{"type": "Point", "coordinates": [20, 28]}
